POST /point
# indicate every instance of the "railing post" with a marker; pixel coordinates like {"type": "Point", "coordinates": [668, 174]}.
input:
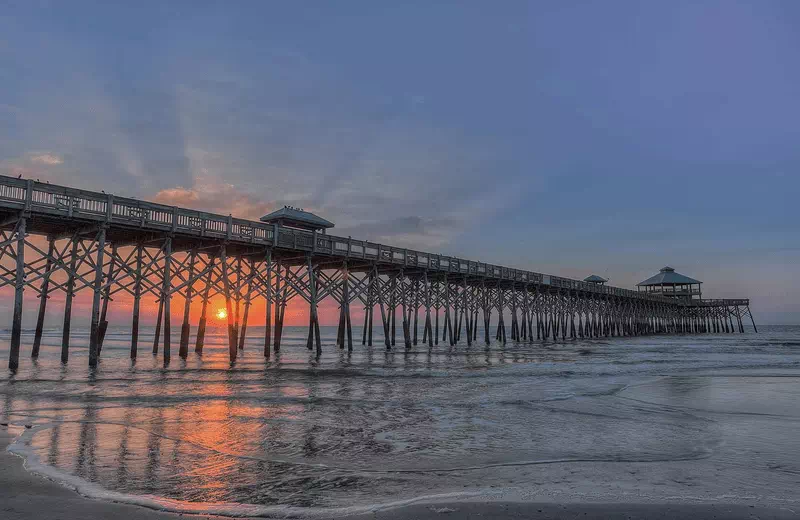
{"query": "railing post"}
{"type": "Point", "coordinates": [28, 194]}
{"type": "Point", "coordinates": [109, 208]}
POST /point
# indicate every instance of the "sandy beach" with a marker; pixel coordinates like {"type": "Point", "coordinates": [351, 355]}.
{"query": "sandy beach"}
{"type": "Point", "coordinates": [24, 496]}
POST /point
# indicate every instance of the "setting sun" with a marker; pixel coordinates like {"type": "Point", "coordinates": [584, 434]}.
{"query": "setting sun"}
{"type": "Point", "coordinates": [222, 314]}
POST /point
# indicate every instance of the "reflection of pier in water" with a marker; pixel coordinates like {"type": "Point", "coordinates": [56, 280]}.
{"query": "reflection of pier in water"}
{"type": "Point", "coordinates": [213, 440]}
{"type": "Point", "coordinates": [111, 246]}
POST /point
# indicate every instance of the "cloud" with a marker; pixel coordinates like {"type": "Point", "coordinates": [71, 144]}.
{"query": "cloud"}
{"type": "Point", "coordinates": [216, 198]}
{"type": "Point", "coordinates": [49, 159]}
{"type": "Point", "coordinates": [31, 165]}
{"type": "Point", "coordinates": [408, 231]}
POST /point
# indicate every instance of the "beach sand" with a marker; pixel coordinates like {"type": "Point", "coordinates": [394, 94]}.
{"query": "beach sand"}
{"type": "Point", "coordinates": [24, 496]}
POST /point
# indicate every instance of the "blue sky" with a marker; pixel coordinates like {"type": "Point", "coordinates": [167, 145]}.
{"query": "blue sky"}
{"type": "Point", "coordinates": [564, 137]}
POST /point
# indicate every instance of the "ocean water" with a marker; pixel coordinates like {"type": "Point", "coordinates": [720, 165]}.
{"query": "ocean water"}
{"type": "Point", "coordinates": [661, 418]}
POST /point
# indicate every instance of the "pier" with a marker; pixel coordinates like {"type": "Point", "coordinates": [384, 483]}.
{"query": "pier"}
{"type": "Point", "coordinates": [109, 245]}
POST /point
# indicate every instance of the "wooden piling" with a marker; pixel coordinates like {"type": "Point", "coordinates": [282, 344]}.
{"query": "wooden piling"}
{"type": "Point", "coordinates": [43, 297]}
{"type": "Point", "coordinates": [752, 320]}
{"type": "Point", "coordinates": [371, 302]}
{"type": "Point", "coordinates": [487, 316]}
{"type": "Point", "coordinates": [232, 348]}
{"type": "Point", "coordinates": [167, 298]}
{"type": "Point", "coordinates": [312, 285]}
{"type": "Point", "coordinates": [278, 306]}
{"type": "Point", "coordinates": [201, 326]}
{"type": "Point", "coordinates": [137, 296]}
{"type": "Point", "coordinates": [364, 328]}
{"type": "Point", "coordinates": [393, 307]}
{"type": "Point", "coordinates": [19, 288]}
{"type": "Point", "coordinates": [283, 302]}
{"type": "Point", "coordinates": [183, 347]}
{"type": "Point", "coordinates": [427, 335]}
{"type": "Point", "coordinates": [436, 333]}
{"type": "Point", "coordinates": [467, 312]}
{"type": "Point", "coordinates": [247, 301]}
{"type": "Point", "coordinates": [236, 300]}
{"type": "Point", "coordinates": [341, 327]}
{"type": "Point", "coordinates": [384, 317]}
{"type": "Point", "coordinates": [406, 325]}
{"type": "Point", "coordinates": [416, 311]}
{"type": "Point", "coordinates": [101, 333]}
{"type": "Point", "coordinates": [159, 321]}
{"type": "Point", "coordinates": [70, 294]}
{"type": "Point", "coordinates": [347, 307]}
{"type": "Point", "coordinates": [268, 304]}
{"type": "Point", "coordinates": [94, 337]}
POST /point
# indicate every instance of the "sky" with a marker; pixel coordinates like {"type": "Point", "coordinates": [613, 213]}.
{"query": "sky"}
{"type": "Point", "coordinates": [568, 138]}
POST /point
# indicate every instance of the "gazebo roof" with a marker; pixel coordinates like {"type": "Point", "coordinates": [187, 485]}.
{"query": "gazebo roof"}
{"type": "Point", "coordinates": [595, 279]}
{"type": "Point", "coordinates": [298, 218]}
{"type": "Point", "coordinates": [668, 276]}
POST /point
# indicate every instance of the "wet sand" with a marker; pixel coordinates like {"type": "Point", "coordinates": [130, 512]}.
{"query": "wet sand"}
{"type": "Point", "coordinates": [24, 496]}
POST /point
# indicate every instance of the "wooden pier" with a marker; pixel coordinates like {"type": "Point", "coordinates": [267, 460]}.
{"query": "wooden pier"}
{"type": "Point", "coordinates": [107, 245]}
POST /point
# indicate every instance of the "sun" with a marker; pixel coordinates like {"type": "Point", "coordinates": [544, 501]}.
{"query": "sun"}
{"type": "Point", "coordinates": [222, 314]}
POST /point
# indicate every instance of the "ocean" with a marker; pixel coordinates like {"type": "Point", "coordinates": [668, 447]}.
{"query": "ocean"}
{"type": "Point", "coordinates": [685, 418]}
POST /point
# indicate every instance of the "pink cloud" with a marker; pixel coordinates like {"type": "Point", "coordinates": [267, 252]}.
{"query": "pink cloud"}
{"type": "Point", "coordinates": [216, 198]}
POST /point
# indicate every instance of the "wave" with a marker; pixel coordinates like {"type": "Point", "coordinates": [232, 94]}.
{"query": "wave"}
{"type": "Point", "coordinates": [21, 447]}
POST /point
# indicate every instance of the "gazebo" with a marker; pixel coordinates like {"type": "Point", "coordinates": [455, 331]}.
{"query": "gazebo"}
{"type": "Point", "coordinates": [672, 284]}
{"type": "Point", "coordinates": [297, 218]}
{"type": "Point", "coordinates": [598, 280]}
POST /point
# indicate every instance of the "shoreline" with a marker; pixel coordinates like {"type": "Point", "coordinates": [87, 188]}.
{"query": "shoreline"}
{"type": "Point", "coordinates": [26, 495]}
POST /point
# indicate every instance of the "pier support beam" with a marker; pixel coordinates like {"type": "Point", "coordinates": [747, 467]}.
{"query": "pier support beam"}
{"type": "Point", "coordinates": [428, 333]}
{"type": "Point", "coordinates": [183, 347]}
{"type": "Point", "coordinates": [371, 303]}
{"type": "Point", "coordinates": [280, 305]}
{"type": "Point", "coordinates": [346, 328]}
{"type": "Point", "coordinates": [19, 288]}
{"type": "Point", "coordinates": [247, 301]}
{"type": "Point", "coordinates": [313, 331]}
{"type": "Point", "coordinates": [70, 290]}
{"type": "Point", "coordinates": [467, 312]}
{"type": "Point", "coordinates": [106, 299]}
{"type": "Point", "coordinates": [94, 337]}
{"type": "Point", "coordinates": [405, 310]}
{"type": "Point", "coordinates": [416, 310]}
{"type": "Point", "coordinates": [167, 299]}
{"type": "Point", "coordinates": [268, 304]}
{"type": "Point", "coordinates": [201, 326]}
{"type": "Point", "coordinates": [232, 349]}
{"type": "Point", "coordinates": [159, 318]}
{"type": "Point", "coordinates": [43, 297]}
{"type": "Point", "coordinates": [137, 296]}
{"type": "Point", "coordinates": [384, 317]}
